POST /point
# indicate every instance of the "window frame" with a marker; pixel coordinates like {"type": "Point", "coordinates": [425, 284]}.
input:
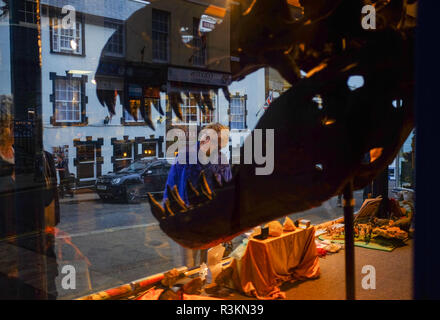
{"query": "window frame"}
{"type": "Point", "coordinates": [244, 114]}
{"type": "Point", "coordinates": [23, 13]}
{"type": "Point", "coordinates": [200, 50]}
{"type": "Point", "coordinates": [154, 42]}
{"type": "Point", "coordinates": [56, 14]}
{"type": "Point", "coordinates": [199, 113]}
{"type": "Point", "coordinates": [123, 38]}
{"type": "Point", "coordinates": [83, 121]}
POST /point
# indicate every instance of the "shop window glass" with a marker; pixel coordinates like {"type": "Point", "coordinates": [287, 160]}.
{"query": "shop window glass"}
{"type": "Point", "coordinates": [67, 100]}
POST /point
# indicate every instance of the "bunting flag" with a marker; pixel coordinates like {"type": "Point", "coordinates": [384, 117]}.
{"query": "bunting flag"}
{"type": "Point", "coordinates": [268, 100]}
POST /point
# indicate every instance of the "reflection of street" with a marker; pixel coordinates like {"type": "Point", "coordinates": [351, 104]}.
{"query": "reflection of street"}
{"type": "Point", "coordinates": [124, 242]}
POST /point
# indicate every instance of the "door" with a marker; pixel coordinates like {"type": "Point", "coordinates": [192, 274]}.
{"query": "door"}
{"type": "Point", "coordinates": [86, 162]}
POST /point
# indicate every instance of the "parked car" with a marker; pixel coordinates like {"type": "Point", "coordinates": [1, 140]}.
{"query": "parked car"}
{"type": "Point", "coordinates": [132, 183]}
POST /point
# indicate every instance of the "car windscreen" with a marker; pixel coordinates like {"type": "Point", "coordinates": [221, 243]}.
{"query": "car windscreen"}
{"type": "Point", "coordinates": [135, 166]}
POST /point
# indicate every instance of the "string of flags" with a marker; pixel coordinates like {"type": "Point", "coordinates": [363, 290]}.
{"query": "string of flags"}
{"type": "Point", "coordinates": [269, 100]}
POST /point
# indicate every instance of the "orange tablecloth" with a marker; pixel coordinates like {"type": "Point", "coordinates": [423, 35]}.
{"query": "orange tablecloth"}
{"type": "Point", "coordinates": [268, 263]}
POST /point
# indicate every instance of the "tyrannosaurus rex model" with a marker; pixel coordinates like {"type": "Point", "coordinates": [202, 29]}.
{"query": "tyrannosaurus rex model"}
{"type": "Point", "coordinates": [323, 127]}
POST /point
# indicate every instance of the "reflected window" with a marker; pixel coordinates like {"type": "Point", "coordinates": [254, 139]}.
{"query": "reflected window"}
{"type": "Point", "coordinates": [27, 11]}
{"type": "Point", "coordinates": [149, 149]}
{"type": "Point", "coordinates": [237, 112]}
{"type": "Point", "coordinates": [64, 39]}
{"type": "Point", "coordinates": [199, 56]}
{"type": "Point", "coordinates": [123, 155]}
{"type": "Point", "coordinates": [68, 93]}
{"type": "Point", "coordinates": [160, 26]}
{"type": "Point", "coordinates": [207, 117]}
{"type": "Point", "coordinates": [115, 45]}
{"type": "Point", "coordinates": [134, 104]}
{"type": "Point", "coordinates": [189, 111]}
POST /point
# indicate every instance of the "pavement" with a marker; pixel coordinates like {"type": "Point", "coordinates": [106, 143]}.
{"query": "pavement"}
{"type": "Point", "coordinates": [80, 196]}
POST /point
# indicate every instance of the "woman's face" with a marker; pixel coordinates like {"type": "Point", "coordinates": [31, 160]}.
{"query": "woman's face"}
{"type": "Point", "coordinates": [223, 140]}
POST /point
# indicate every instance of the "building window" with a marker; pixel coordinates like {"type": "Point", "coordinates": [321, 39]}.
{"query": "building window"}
{"type": "Point", "coordinates": [199, 55]}
{"type": "Point", "coordinates": [192, 114]}
{"type": "Point", "coordinates": [149, 149]}
{"type": "Point", "coordinates": [160, 26]}
{"type": "Point", "coordinates": [135, 105]}
{"type": "Point", "coordinates": [115, 45]}
{"type": "Point", "coordinates": [237, 113]}
{"type": "Point", "coordinates": [67, 40]}
{"type": "Point", "coordinates": [189, 111]}
{"type": "Point", "coordinates": [207, 117]}
{"type": "Point", "coordinates": [69, 100]}
{"type": "Point", "coordinates": [28, 11]}
{"type": "Point", "coordinates": [123, 155]}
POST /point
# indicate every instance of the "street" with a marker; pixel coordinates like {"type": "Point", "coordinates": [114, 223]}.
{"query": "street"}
{"type": "Point", "coordinates": [123, 242]}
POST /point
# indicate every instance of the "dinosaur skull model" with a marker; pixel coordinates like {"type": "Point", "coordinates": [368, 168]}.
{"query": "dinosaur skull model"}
{"type": "Point", "coordinates": [322, 126]}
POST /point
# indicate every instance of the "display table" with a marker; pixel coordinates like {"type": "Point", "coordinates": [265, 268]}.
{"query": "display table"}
{"type": "Point", "coordinates": [268, 263]}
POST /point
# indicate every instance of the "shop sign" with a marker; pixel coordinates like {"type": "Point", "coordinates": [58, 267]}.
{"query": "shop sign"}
{"type": "Point", "coordinates": [207, 23]}
{"type": "Point", "coordinates": [110, 84]}
{"type": "Point", "coordinates": [199, 76]}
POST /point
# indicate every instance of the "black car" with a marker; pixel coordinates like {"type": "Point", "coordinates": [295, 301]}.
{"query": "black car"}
{"type": "Point", "coordinates": [132, 183]}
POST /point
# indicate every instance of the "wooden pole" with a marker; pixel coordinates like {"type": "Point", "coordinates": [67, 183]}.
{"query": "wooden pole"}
{"type": "Point", "coordinates": [348, 205]}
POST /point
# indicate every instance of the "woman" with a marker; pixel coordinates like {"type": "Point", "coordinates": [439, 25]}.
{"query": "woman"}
{"type": "Point", "coordinates": [180, 173]}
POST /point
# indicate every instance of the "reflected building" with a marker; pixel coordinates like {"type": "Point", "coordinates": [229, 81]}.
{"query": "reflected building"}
{"type": "Point", "coordinates": [142, 56]}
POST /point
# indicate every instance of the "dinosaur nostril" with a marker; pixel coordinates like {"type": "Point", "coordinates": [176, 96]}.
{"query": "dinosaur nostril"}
{"type": "Point", "coordinates": [355, 82]}
{"type": "Point", "coordinates": [398, 103]}
{"type": "Point", "coordinates": [318, 100]}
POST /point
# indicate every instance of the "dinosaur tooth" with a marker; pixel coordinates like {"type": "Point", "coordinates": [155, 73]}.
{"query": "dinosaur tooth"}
{"type": "Point", "coordinates": [204, 186]}
{"type": "Point", "coordinates": [175, 101]}
{"type": "Point", "coordinates": [198, 97]}
{"type": "Point", "coordinates": [175, 199]}
{"type": "Point", "coordinates": [168, 211]}
{"type": "Point", "coordinates": [226, 93]}
{"type": "Point", "coordinates": [218, 180]}
{"type": "Point", "coordinates": [207, 100]}
{"type": "Point", "coordinates": [158, 106]}
{"type": "Point", "coordinates": [157, 210]}
{"type": "Point", "coordinates": [147, 119]}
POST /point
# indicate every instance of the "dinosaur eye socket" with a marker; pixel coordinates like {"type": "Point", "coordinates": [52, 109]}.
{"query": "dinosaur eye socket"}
{"type": "Point", "coordinates": [355, 82]}
{"type": "Point", "coordinates": [318, 100]}
{"type": "Point", "coordinates": [398, 103]}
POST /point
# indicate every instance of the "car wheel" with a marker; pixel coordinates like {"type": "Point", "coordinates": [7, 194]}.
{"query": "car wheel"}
{"type": "Point", "coordinates": [132, 195]}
